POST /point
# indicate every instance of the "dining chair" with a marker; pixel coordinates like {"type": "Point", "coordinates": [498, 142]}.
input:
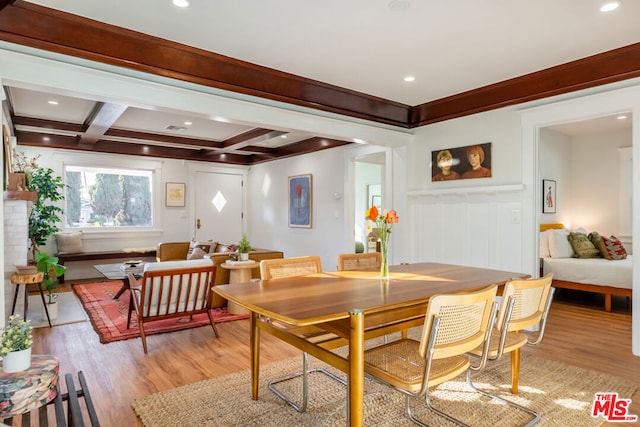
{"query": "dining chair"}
{"type": "Point", "coordinates": [454, 325]}
{"type": "Point", "coordinates": [525, 303]}
{"type": "Point", "coordinates": [369, 261]}
{"type": "Point", "coordinates": [281, 268]}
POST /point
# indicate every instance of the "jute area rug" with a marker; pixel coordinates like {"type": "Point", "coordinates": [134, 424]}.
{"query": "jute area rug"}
{"type": "Point", "coordinates": [562, 393]}
{"type": "Point", "coordinates": [109, 316]}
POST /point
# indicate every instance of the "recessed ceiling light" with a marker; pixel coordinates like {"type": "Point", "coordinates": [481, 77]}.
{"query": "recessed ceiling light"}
{"type": "Point", "coordinates": [621, 117]}
{"type": "Point", "coordinates": [181, 3]}
{"type": "Point", "coordinates": [608, 7]}
{"type": "Point", "coordinates": [187, 123]}
{"type": "Point", "coordinates": [52, 102]}
{"type": "Point", "coordinates": [359, 141]}
{"type": "Point", "coordinates": [284, 136]}
{"type": "Point", "coordinates": [399, 4]}
{"type": "Point", "coordinates": [409, 78]}
{"type": "Point", "coordinates": [46, 138]}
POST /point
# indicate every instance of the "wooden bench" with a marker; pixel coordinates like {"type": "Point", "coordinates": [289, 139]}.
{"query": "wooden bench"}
{"type": "Point", "coordinates": [93, 256]}
{"type": "Point", "coordinates": [71, 414]}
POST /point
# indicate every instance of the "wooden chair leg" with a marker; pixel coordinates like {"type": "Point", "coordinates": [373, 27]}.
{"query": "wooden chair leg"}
{"type": "Point", "coordinates": [515, 370]}
{"type": "Point", "coordinates": [213, 324]}
{"type": "Point", "coordinates": [143, 336]}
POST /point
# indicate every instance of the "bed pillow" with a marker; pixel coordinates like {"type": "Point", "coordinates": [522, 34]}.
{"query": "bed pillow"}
{"type": "Point", "coordinates": [582, 246]}
{"type": "Point", "coordinates": [611, 248]}
{"type": "Point", "coordinates": [544, 243]}
{"type": "Point", "coordinates": [559, 246]}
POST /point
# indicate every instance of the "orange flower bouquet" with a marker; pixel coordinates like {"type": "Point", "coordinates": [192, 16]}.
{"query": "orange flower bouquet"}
{"type": "Point", "coordinates": [383, 223]}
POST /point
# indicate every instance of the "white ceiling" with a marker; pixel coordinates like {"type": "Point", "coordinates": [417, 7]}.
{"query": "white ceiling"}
{"type": "Point", "coordinates": [369, 46]}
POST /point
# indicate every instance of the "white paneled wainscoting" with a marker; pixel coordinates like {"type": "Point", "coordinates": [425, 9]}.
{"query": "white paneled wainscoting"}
{"type": "Point", "coordinates": [475, 227]}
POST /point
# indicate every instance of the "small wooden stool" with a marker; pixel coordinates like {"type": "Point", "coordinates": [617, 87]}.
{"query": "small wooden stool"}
{"type": "Point", "coordinates": [28, 279]}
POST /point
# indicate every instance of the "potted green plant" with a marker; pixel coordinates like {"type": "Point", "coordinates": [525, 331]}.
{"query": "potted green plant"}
{"type": "Point", "coordinates": [44, 215]}
{"type": "Point", "coordinates": [244, 247]}
{"type": "Point", "coordinates": [15, 345]}
{"type": "Point", "coordinates": [51, 270]}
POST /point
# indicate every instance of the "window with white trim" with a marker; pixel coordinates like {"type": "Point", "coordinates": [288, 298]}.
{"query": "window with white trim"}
{"type": "Point", "coordinates": [108, 197]}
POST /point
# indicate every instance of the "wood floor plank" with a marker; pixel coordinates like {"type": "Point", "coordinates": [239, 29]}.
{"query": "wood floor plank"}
{"type": "Point", "coordinates": [119, 372]}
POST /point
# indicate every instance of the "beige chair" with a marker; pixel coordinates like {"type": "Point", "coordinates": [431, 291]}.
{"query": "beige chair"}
{"type": "Point", "coordinates": [525, 304]}
{"type": "Point", "coordinates": [290, 267]}
{"type": "Point", "coordinates": [172, 251]}
{"type": "Point", "coordinates": [171, 289]}
{"type": "Point", "coordinates": [454, 325]}
{"type": "Point", "coordinates": [370, 261]}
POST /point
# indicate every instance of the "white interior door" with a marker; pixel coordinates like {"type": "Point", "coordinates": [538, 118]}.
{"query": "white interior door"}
{"type": "Point", "coordinates": [219, 207]}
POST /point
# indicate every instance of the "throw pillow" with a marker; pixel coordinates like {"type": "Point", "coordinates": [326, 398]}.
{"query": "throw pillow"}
{"type": "Point", "coordinates": [69, 243]}
{"type": "Point", "coordinates": [208, 246]}
{"type": "Point", "coordinates": [197, 253]}
{"type": "Point", "coordinates": [582, 246]}
{"type": "Point", "coordinates": [611, 248]}
{"type": "Point", "coordinates": [559, 246]}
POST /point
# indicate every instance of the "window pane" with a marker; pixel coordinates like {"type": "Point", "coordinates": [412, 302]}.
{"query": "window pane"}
{"type": "Point", "coordinates": [101, 197]}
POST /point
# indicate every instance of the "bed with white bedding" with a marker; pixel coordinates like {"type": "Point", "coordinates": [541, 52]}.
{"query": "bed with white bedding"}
{"type": "Point", "coordinates": [601, 275]}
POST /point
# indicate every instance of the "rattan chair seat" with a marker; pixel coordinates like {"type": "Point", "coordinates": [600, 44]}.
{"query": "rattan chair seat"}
{"type": "Point", "coordinates": [399, 363]}
{"type": "Point", "coordinates": [513, 341]}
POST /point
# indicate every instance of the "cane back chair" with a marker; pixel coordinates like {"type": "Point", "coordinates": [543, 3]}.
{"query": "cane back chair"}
{"type": "Point", "coordinates": [454, 325]}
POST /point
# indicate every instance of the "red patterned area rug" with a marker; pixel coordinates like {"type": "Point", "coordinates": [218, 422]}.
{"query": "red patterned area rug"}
{"type": "Point", "coordinates": [109, 316]}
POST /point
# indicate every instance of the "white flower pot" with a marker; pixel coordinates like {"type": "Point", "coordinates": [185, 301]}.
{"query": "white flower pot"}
{"type": "Point", "coordinates": [53, 311]}
{"type": "Point", "coordinates": [244, 256]}
{"type": "Point", "coordinates": [17, 361]}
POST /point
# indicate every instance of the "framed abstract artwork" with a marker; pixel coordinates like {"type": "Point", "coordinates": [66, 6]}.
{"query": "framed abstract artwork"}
{"type": "Point", "coordinates": [175, 194]}
{"type": "Point", "coordinates": [300, 201]}
{"type": "Point", "coordinates": [549, 199]}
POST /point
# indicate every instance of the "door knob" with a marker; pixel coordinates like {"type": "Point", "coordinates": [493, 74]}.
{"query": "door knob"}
{"type": "Point", "coordinates": [198, 223]}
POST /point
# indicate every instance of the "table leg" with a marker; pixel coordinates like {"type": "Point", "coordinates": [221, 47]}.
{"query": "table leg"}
{"type": "Point", "coordinates": [515, 370]}
{"type": "Point", "coordinates": [15, 299]}
{"type": "Point", "coordinates": [44, 304]}
{"type": "Point", "coordinates": [125, 286]}
{"type": "Point", "coordinates": [255, 355]}
{"type": "Point", "coordinates": [356, 368]}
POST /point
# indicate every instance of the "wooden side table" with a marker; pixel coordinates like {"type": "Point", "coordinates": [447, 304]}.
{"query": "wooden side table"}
{"type": "Point", "coordinates": [28, 279]}
{"type": "Point", "coordinates": [28, 390]}
{"type": "Point", "coordinates": [240, 272]}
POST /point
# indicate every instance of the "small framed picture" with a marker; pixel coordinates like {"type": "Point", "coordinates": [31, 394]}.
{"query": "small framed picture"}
{"type": "Point", "coordinates": [300, 199]}
{"type": "Point", "coordinates": [549, 199]}
{"type": "Point", "coordinates": [175, 194]}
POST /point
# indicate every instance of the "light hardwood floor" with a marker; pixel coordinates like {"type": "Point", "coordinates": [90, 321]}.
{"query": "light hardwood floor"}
{"type": "Point", "coordinates": [119, 372]}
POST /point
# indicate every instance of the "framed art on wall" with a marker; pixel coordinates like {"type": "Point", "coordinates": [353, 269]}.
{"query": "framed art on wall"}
{"type": "Point", "coordinates": [175, 194]}
{"type": "Point", "coordinates": [549, 200]}
{"type": "Point", "coordinates": [472, 161]}
{"type": "Point", "coordinates": [300, 201]}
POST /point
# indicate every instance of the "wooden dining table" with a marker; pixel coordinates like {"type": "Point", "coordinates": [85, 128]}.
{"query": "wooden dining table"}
{"type": "Point", "coordinates": [352, 305]}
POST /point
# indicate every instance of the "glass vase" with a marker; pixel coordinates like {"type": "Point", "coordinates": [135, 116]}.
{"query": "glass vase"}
{"type": "Point", "coordinates": [384, 265]}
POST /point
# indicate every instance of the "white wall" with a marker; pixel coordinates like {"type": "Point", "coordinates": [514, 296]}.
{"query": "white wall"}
{"type": "Point", "coordinates": [267, 200]}
{"type": "Point", "coordinates": [473, 221]}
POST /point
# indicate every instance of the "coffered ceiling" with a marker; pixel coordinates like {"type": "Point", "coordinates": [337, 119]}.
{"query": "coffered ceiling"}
{"type": "Point", "coordinates": [347, 58]}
